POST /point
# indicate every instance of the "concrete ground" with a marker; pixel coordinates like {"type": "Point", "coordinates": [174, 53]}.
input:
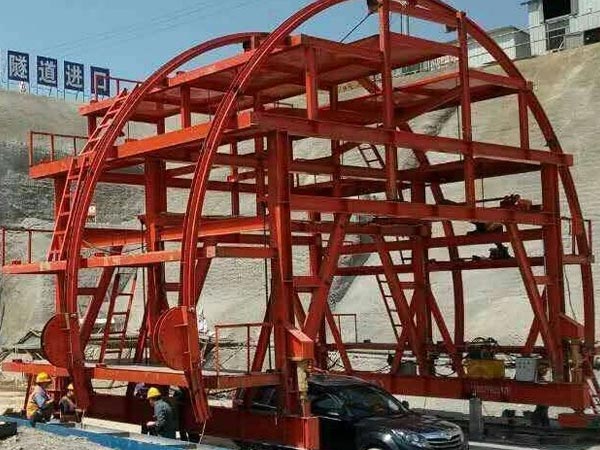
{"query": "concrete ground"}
{"type": "Point", "coordinates": [29, 438]}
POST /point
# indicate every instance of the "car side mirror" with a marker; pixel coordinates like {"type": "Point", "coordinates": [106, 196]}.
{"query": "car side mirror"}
{"type": "Point", "coordinates": [405, 404]}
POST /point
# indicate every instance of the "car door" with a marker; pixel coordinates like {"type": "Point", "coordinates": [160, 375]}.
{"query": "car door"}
{"type": "Point", "coordinates": [336, 429]}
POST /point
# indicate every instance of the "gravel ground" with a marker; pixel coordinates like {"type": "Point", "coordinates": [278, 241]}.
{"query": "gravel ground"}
{"type": "Point", "coordinates": [29, 438]}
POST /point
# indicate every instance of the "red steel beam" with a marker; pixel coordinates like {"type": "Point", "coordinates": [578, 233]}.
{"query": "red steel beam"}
{"type": "Point", "coordinates": [147, 374]}
{"type": "Point", "coordinates": [416, 211]}
{"type": "Point", "coordinates": [441, 266]}
{"type": "Point", "coordinates": [443, 242]}
{"type": "Point", "coordinates": [466, 110]}
{"type": "Point", "coordinates": [421, 142]}
{"type": "Point", "coordinates": [568, 395]}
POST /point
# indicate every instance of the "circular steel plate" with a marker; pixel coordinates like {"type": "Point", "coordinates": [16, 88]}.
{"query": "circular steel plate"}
{"type": "Point", "coordinates": [171, 337]}
{"type": "Point", "coordinates": [55, 341]}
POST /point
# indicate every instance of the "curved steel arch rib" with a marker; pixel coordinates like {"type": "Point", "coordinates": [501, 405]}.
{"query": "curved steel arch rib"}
{"type": "Point", "coordinates": [85, 193]}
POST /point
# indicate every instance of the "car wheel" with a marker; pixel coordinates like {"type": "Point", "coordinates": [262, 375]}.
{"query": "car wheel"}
{"type": "Point", "coordinates": [7, 429]}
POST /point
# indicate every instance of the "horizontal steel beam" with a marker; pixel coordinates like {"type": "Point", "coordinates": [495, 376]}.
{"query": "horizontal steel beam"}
{"type": "Point", "coordinates": [440, 266]}
{"type": "Point", "coordinates": [417, 211]}
{"type": "Point", "coordinates": [444, 242]}
{"type": "Point", "coordinates": [404, 139]}
{"type": "Point", "coordinates": [568, 395]}
{"type": "Point", "coordinates": [139, 259]}
{"type": "Point", "coordinates": [145, 374]}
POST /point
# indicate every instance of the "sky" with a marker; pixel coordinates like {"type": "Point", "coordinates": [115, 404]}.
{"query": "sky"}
{"type": "Point", "coordinates": [134, 37]}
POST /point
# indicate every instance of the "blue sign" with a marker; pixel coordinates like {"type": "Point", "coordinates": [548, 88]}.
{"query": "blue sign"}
{"type": "Point", "coordinates": [100, 81]}
{"type": "Point", "coordinates": [73, 76]}
{"type": "Point", "coordinates": [47, 71]}
{"type": "Point", "coordinates": [18, 66]}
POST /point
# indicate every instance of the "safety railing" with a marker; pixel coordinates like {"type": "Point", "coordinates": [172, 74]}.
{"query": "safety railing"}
{"type": "Point", "coordinates": [23, 245]}
{"type": "Point", "coordinates": [47, 147]}
{"type": "Point", "coordinates": [104, 83]}
{"type": "Point", "coordinates": [341, 318]}
{"type": "Point", "coordinates": [248, 342]}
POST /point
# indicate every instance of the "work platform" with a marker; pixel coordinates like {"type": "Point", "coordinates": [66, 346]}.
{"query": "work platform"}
{"type": "Point", "coordinates": [235, 127]}
{"type": "Point", "coordinates": [148, 374]}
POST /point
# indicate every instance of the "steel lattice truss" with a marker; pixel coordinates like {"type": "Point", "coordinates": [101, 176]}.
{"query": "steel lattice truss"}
{"type": "Point", "coordinates": [243, 101]}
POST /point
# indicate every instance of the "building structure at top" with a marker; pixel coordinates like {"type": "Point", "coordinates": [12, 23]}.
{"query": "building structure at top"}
{"type": "Point", "coordinates": [562, 24]}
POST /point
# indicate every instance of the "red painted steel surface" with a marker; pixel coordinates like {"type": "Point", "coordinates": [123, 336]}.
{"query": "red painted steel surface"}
{"type": "Point", "coordinates": [315, 203]}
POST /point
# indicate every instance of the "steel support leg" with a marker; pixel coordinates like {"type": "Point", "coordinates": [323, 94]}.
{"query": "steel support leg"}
{"type": "Point", "coordinates": [279, 154]}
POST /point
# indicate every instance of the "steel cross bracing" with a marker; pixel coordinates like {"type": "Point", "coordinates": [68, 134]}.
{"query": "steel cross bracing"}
{"type": "Point", "coordinates": [236, 116]}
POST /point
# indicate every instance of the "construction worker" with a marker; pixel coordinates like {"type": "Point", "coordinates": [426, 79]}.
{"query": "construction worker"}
{"type": "Point", "coordinates": [68, 406]}
{"type": "Point", "coordinates": [40, 404]}
{"type": "Point", "coordinates": [165, 422]}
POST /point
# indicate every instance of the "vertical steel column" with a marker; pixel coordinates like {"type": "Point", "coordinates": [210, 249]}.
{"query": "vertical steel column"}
{"type": "Point", "coordinates": [279, 154]}
{"type": "Point", "coordinates": [156, 204]}
{"type": "Point", "coordinates": [311, 84]}
{"type": "Point", "coordinates": [315, 258]}
{"type": "Point", "coordinates": [421, 278]}
{"type": "Point", "coordinates": [322, 352]}
{"type": "Point", "coordinates": [261, 156]}
{"type": "Point", "coordinates": [524, 118]}
{"type": "Point", "coordinates": [385, 46]}
{"type": "Point", "coordinates": [261, 187]}
{"type": "Point", "coordinates": [91, 124]}
{"type": "Point", "coordinates": [467, 132]}
{"type": "Point", "coordinates": [235, 190]}
{"type": "Point", "coordinates": [186, 112]}
{"type": "Point", "coordinates": [553, 258]}
{"type": "Point", "coordinates": [336, 155]}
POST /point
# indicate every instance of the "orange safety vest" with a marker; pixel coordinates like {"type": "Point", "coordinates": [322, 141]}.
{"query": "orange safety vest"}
{"type": "Point", "coordinates": [32, 406]}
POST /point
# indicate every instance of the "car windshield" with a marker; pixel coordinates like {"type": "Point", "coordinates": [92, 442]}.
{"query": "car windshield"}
{"type": "Point", "coordinates": [368, 401]}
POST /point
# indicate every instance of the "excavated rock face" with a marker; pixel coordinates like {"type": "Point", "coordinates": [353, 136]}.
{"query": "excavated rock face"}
{"type": "Point", "coordinates": [27, 302]}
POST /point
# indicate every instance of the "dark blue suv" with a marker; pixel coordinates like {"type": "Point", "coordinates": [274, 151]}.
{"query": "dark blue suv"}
{"type": "Point", "coordinates": [355, 415]}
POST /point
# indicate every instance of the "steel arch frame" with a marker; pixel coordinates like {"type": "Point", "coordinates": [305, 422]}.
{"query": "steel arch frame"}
{"type": "Point", "coordinates": [183, 317]}
{"type": "Point", "coordinates": [438, 11]}
{"type": "Point", "coordinates": [67, 287]}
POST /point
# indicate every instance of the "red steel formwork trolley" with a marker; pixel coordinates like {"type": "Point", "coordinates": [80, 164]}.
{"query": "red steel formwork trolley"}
{"type": "Point", "coordinates": [241, 99]}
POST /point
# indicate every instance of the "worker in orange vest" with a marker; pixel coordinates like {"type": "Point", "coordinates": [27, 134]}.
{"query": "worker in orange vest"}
{"type": "Point", "coordinates": [40, 404]}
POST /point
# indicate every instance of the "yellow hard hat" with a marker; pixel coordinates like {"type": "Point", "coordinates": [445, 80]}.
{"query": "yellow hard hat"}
{"type": "Point", "coordinates": [70, 387]}
{"type": "Point", "coordinates": [153, 393]}
{"type": "Point", "coordinates": [43, 377]}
